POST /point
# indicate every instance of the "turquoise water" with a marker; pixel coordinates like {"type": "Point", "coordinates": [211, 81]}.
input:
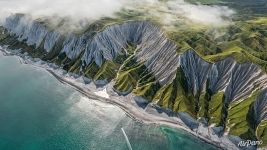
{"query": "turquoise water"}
{"type": "Point", "coordinates": [39, 113]}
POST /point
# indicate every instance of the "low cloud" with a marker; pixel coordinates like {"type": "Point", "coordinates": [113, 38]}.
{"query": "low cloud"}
{"type": "Point", "coordinates": [171, 11]}
{"type": "Point", "coordinates": [76, 10]}
{"type": "Point", "coordinates": [215, 15]}
{"type": "Point", "coordinates": [83, 11]}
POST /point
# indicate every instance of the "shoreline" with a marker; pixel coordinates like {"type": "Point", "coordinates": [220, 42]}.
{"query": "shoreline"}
{"type": "Point", "coordinates": [147, 115]}
{"type": "Point", "coordinates": [132, 114]}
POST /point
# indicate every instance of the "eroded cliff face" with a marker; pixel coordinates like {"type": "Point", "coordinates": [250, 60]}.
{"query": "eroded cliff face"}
{"type": "Point", "coordinates": [139, 57]}
{"type": "Point", "coordinates": [259, 107]}
{"type": "Point", "coordinates": [259, 116]}
{"type": "Point", "coordinates": [236, 80]}
{"type": "Point", "coordinates": [153, 46]}
{"type": "Point", "coordinates": [224, 92]}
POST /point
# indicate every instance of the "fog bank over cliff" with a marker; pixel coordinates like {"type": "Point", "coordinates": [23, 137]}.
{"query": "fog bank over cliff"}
{"type": "Point", "coordinates": [81, 12]}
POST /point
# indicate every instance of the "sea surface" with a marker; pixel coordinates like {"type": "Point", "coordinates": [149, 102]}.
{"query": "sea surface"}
{"type": "Point", "coordinates": [37, 112]}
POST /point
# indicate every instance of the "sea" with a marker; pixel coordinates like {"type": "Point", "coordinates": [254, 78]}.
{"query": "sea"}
{"type": "Point", "coordinates": [37, 112]}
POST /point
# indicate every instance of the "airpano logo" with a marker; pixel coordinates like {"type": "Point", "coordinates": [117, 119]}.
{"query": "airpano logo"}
{"type": "Point", "coordinates": [249, 143]}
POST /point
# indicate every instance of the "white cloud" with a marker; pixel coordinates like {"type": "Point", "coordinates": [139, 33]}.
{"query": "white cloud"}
{"type": "Point", "coordinates": [206, 14]}
{"type": "Point", "coordinates": [75, 9]}
{"type": "Point", "coordinates": [87, 10]}
{"type": "Point", "coordinates": [171, 11]}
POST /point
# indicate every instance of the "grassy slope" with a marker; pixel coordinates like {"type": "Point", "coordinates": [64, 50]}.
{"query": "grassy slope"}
{"type": "Point", "coordinates": [261, 132]}
{"type": "Point", "coordinates": [237, 118]}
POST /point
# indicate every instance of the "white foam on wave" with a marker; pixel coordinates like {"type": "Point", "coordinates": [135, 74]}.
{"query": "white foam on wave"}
{"type": "Point", "coordinates": [106, 116]}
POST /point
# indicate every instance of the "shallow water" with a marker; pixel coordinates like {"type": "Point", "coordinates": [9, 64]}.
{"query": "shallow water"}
{"type": "Point", "coordinates": [37, 112]}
